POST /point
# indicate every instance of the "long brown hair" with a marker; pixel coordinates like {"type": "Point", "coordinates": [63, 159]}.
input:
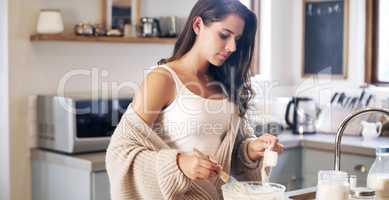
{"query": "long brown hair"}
{"type": "Point", "coordinates": [235, 73]}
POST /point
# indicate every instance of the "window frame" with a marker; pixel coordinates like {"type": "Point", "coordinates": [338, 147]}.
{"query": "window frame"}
{"type": "Point", "coordinates": [255, 67]}
{"type": "Point", "coordinates": [371, 47]}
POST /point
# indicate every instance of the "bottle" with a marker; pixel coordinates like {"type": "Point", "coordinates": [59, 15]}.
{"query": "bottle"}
{"type": "Point", "coordinates": [378, 177]}
{"type": "Point", "coordinates": [332, 185]}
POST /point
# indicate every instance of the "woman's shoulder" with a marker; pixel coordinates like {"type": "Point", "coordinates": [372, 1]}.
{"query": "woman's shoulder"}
{"type": "Point", "coordinates": [161, 73]}
{"type": "Point", "coordinates": [158, 80]}
{"type": "Point", "coordinates": [156, 91]}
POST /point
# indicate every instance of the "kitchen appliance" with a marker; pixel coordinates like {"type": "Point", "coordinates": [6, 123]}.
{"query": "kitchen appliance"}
{"type": "Point", "coordinates": [75, 125]}
{"type": "Point", "coordinates": [50, 22]}
{"type": "Point", "coordinates": [149, 27]}
{"type": "Point", "coordinates": [168, 26]}
{"type": "Point", "coordinates": [303, 115]}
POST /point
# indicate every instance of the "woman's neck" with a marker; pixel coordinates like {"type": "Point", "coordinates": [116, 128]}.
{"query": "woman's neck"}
{"type": "Point", "coordinates": [193, 63]}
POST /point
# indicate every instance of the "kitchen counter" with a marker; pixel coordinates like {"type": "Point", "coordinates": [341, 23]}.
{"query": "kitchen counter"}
{"type": "Point", "coordinates": [305, 193]}
{"type": "Point", "coordinates": [87, 161]}
{"type": "Point", "coordinates": [350, 144]}
{"type": "Point", "coordinates": [321, 141]}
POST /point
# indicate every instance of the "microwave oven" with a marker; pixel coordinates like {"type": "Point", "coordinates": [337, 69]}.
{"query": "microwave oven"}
{"type": "Point", "coordinates": [76, 125]}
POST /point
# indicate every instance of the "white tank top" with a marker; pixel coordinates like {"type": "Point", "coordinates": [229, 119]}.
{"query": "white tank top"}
{"type": "Point", "coordinates": [192, 121]}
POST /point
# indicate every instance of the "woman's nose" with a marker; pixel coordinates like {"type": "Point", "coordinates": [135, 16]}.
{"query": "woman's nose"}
{"type": "Point", "coordinates": [231, 45]}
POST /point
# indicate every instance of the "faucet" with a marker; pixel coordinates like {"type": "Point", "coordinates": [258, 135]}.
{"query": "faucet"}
{"type": "Point", "coordinates": [342, 127]}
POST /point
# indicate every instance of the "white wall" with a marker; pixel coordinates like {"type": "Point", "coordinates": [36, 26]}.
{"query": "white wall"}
{"type": "Point", "coordinates": [265, 39]}
{"type": "Point", "coordinates": [4, 125]}
{"type": "Point", "coordinates": [286, 51]}
{"type": "Point", "coordinates": [37, 68]}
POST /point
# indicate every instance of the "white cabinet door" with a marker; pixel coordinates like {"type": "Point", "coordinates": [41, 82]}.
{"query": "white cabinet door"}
{"type": "Point", "coordinates": [51, 181]}
{"type": "Point", "coordinates": [316, 160]}
{"type": "Point", "coordinates": [288, 169]}
{"type": "Point", "coordinates": [100, 186]}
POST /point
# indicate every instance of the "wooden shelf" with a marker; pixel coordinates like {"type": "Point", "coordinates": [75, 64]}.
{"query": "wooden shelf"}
{"type": "Point", "coordinates": [104, 39]}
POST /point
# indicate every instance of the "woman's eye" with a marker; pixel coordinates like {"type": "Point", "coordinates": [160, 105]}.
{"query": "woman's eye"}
{"type": "Point", "coordinates": [224, 36]}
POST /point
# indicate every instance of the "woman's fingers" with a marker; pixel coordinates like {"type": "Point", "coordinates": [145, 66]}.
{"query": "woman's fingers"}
{"type": "Point", "coordinates": [204, 173]}
{"type": "Point", "coordinates": [207, 164]}
{"type": "Point", "coordinates": [268, 141]}
{"type": "Point", "coordinates": [205, 167]}
{"type": "Point", "coordinates": [206, 161]}
{"type": "Point", "coordinates": [279, 148]}
{"type": "Point", "coordinates": [271, 141]}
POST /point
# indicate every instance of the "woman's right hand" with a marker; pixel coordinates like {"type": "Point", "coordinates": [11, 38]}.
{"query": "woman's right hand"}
{"type": "Point", "coordinates": [196, 167]}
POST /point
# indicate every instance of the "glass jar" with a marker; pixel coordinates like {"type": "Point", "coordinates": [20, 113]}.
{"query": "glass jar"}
{"type": "Point", "coordinates": [332, 185]}
{"type": "Point", "coordinates": [378, 177]}
{"type": "Point", "coordinates": [362, 193]}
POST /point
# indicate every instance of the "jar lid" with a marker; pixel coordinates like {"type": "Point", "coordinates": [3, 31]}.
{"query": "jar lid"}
{"type": "Point", "coordinates": [381, 150]}
{"type": "Point", "coordinates": [362, 192]}
{"type": "Point", "coordinates": [50, 10]}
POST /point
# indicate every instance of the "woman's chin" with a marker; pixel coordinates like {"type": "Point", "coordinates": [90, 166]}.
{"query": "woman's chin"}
{"type": "Point", "coordinates": [217, 62]}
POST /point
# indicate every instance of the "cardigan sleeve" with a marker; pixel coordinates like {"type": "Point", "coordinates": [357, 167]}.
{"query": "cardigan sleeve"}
{"type": "Point", "coordinates": [138, 169]}
{"type": "Point", "coordinates": [242, 166]}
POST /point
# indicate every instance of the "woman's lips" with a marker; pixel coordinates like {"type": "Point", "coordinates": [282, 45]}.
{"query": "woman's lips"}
{"type": "Point", "coordinates": [224, 56]}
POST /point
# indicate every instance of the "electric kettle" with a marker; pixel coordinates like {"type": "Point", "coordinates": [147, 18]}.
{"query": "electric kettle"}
{"type": "Point", "coordinates": [303, 113]}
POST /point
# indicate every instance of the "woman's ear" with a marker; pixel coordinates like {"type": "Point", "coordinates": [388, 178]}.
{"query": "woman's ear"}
{"type": "Point", "coordinates": [197, 24]}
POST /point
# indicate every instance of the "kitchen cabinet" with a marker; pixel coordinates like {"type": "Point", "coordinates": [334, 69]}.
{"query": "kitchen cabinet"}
{"type": "Point", "coordinates": [288, 169]}
{"type": "Point", "coordinates": [314, 160]}
{"type": "Point", "coordinates": [63, 177]}
{"type": "Point", "coordinates": [100, 186]}
{"type": "Point", "coordinates": [83, 176]}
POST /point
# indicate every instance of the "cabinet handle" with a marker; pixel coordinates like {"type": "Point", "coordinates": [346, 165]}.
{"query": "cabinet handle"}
{"type": "Point", "coordinates": [361, 168]}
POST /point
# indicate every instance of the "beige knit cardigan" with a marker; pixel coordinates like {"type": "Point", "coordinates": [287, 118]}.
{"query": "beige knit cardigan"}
{"type": "Point", "coordinates": [141, 166]}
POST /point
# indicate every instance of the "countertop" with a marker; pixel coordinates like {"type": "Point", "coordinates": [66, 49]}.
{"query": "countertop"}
{"type": "Point", "coordinates": [350, 144]}
{"type": "Point", "coordinates": [299, 194]}
{"type": "Point", "coordinates": [87, 161]}
{"type": "Point", "coordinates": [325, 141]}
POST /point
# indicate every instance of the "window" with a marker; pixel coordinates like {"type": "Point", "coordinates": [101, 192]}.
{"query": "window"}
{"type": "Point", "coordinates": [254, 6]}
{"type": "Point", "coordinates": [383, 42]}
{"type": "Point", "coordinates": [377, 42]}
{"type": "Point", "coordinates": [247, 3]}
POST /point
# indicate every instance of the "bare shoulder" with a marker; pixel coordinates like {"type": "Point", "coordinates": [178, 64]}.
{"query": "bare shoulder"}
{"type": "Point", "coordinates": [156, 91]}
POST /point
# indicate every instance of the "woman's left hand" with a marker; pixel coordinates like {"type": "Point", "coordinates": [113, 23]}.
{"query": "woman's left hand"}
{"type": "Point", "coordinates": [256, 147]}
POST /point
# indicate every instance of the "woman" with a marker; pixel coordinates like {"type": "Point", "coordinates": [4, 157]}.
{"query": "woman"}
{"type": "Point", "coordinates": [197, 98]}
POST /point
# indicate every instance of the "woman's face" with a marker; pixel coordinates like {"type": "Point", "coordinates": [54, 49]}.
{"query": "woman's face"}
{"type": "Point", "coordinates": [218, 40]}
